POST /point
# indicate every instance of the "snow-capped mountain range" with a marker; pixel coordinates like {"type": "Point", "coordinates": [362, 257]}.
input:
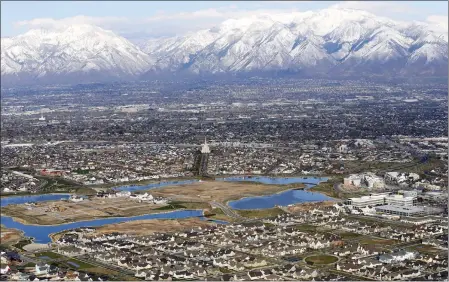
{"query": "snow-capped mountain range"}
{"type": "Point", "coordinates": [328, 42]}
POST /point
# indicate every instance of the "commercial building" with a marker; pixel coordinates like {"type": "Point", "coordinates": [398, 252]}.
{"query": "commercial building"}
{"type": "Point", "coordinates": [402, 211]}
{"type": "Point", "coordinates": [354, 180]}
{"type": "Point", "coordinates": [367, 180]}
{"type": "Point", "coordinates": [371, 200]}
{"type": "Point", "coordinates": [400, 200]}
{"type": "Point", "coordinates": [383, 199]}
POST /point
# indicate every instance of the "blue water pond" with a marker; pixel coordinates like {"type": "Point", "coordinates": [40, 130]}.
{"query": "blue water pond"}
{"type": "Point", "coordinates": [41, 233]}
{"type": "Point", "coordinates": [280, 199]}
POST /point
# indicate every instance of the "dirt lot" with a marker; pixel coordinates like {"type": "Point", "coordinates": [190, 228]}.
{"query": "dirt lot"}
{"type": "Point", "coordinates": [145, 227]}
{"type": "Point", "coordinates": [219, 191]}
{"type": "Point", "coordinates": [9, 236]}
{"type": "Point", "coordinates": [58, 212]}
{"type": "Point", "coordinates": [309, 206]}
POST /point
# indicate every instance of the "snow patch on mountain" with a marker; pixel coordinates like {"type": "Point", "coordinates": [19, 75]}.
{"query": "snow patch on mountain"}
{"type": "Point", "coordinates": [329, 41]}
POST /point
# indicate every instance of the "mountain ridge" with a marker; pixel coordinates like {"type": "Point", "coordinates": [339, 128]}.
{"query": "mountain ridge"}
{"type": "Point", "coordinates": [329, 42]}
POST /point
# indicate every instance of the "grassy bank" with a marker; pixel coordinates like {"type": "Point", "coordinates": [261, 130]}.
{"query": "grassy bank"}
{"type": "Point", "coordinates": [218, 214]}
{"type": "Point", "coordinates": [260, 213]}
{"type": "Point", "coordinates": [327, 188]}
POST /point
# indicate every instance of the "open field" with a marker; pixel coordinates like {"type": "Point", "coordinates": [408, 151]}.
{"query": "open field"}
{"type": "Point", "coordinates": [309, 206]}
{"type": "Point", "coordinates": [58, 212]}
{"type": "Point", "coordinates": [218, 214]}
{"type": "Point", "coordinates": [260, 213]}
{"type": "Point", "coordinates": [426, 249]}
{"type": "Point", "coordinates": [145, 227]}
{"type": "Point", "coordinates": [378, 241]}
{"type": "Point", "coordinates": [306, 227]}
{"type": "Point", "coordinates": [321, 259]}
{"type": "Point", "coordinates": [220, 191]}
{"type": "Point", "coordinates": [327, 188]}
{"type": "Point", "coordinates": [9, 235]}
{"type": "Point", "coordinates": [50, 255]}
{"type": "Point", "coordinates": [349, 235]}
{"type": "Point", "coordinates": [22, 243]}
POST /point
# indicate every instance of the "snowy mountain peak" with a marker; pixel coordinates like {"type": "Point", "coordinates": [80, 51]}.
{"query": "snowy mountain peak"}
{"type": "Point", "coordinates": [73, 49]}
{"type": "Point", "coordinates": [334, 41]}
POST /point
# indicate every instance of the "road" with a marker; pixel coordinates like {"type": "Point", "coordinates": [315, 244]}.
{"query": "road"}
{"type": "Point", "coordinates": [227, 210]}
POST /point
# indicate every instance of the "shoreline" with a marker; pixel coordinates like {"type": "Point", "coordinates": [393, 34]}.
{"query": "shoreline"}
{"type": "Point", "coordinates": [99, 218]}
{"type": "Point", "coordinates": [51, 235]}
{"type": "Point", "coordinates": [304, 188]}
{"type": "Point", "coordinates": [214, 177]}
{"type": "Point", "coordinates": [149, 182]}
{"type": "Point", "coordinates": [21, 232]}
{"type": "Point", "coordinates": [290, 189]}
{"type": "Point", "coordinates": [34, 194]}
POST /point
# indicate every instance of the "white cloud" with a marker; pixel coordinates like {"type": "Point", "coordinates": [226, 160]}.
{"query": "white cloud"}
{"type": "Point", "coordinates": [438, 22]}
{"type": "Point", "coordinates": [54, 23]}
{"type": "Point", "coordinates": [160, 24]}
{"type": "Point", "coordinates": [381, 8]}
{"type": "Point", "coordinates": [172, 23]}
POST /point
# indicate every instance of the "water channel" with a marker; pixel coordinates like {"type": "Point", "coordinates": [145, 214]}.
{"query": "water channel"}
{"type": "Point", "coordinates": [279, 199]}
{"type": "Point", "coordinates": [41, 233]}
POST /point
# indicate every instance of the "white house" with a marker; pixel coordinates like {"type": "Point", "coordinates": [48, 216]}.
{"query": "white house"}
{"type": "Point", "coordinates": [42, 268]}
{"type": "Point", "coordinates": [5, 270]}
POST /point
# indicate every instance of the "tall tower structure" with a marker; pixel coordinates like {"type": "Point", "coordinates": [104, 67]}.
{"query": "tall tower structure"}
{"type": "Point", "coordinates": [201, 160]}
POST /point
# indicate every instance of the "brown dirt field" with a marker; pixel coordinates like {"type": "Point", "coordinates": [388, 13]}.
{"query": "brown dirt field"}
{"type": "Point", "coordinates": [378, 241]}
{"type": "Point", "coordinates": [149, 226]}
{"type": "Point", "coordinates": [72, 212]}
{"type": "Point", "coordinates": [309, 206]}
{"type": "Point", "coordinates": [10, 236]}
{"type": "Point", "coordinates": [220, 191]}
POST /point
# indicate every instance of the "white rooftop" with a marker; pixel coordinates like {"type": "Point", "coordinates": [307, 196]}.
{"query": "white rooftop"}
{"type": "Point", "coordinates": [401, 208]}
{"type": "Point", "coordinates": [205, 149]}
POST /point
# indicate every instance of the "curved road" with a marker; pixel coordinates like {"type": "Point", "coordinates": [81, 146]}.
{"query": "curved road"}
{"type": "Point", "coordinates": [227, 210]}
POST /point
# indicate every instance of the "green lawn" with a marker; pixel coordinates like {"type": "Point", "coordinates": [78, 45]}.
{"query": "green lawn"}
{"type": "Point", "coordinates": [349, 235]}
{"type": "Point", "coordinates": [51, 255]}
{"type": "Point", "coordinates": [260, 213]}
{"type": "Point", "coordinates": [377, 241]}
{"type": "Point", "coordinates": [218, 214]}
{"type": "Point", "coordinates": [22, 243]}
{"type": "Point", "coordinates": [224, 270]}
{"type": "Point", "coordinates": [426, 249]}
{"type": "Point", "coordinates": [321, 259]}
{"type": "Point", "coordinates": [170, 207]}
{"type": "Point", "coordinates": [327, 188]}
{"type": "Point", "coordinates": [82, 265]}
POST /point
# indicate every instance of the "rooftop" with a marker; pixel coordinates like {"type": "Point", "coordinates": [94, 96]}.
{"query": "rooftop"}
{"type": "Point", "coordinates": [413, 209]}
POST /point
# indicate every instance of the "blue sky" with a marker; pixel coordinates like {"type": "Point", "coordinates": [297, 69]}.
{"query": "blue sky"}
{"type": "Point", "coordinates": [169, 17]}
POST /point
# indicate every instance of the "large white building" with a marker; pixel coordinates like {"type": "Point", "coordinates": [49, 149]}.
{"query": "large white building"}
{"type": "Point", "coordinates": [400, 200]}
{"type": "Point", "coordinates": [368, 180]}
{"type": "Point", "coordinates": [401, 177]}
{"type": "Point", "coordinates": [401, 211]}
{"type": "Point", "coordinates": [382, 199]}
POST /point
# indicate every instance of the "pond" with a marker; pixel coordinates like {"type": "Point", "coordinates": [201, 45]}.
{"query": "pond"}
{"type": "Point", "coordinates": [276, 180]}
{"type": "Point", "coordinates": [279, 199]}
{"type": "Point", "coordinates": [41, 233]}
{"type": "Point", "coordinates": [133, 188]}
